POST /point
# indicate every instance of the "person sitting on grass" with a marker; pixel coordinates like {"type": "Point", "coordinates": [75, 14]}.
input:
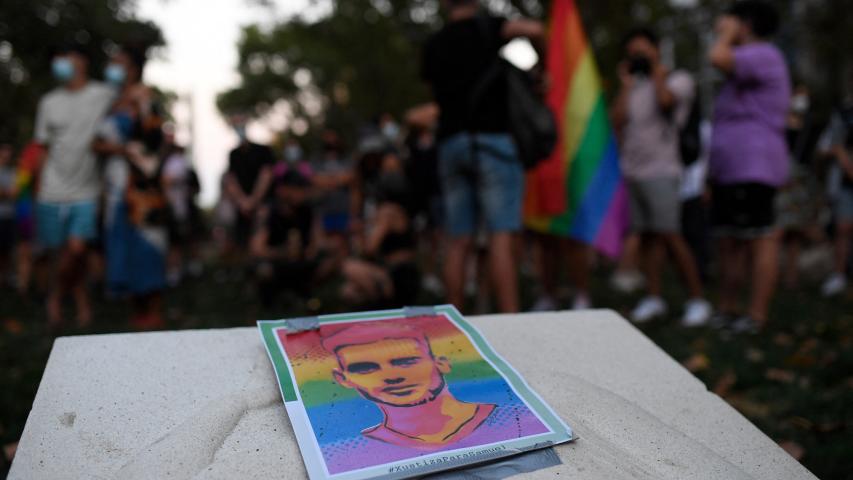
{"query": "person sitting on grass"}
{"type": "Point", "coordinates": [388, 276]}
{"type": "Point", "coordinates": [283, 246]}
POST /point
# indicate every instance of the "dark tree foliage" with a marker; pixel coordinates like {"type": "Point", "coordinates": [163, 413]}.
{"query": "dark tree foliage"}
{"type": "Point", "coordinates": [31, 29]}
{"type": "Point", "coordinates": [363, 57]}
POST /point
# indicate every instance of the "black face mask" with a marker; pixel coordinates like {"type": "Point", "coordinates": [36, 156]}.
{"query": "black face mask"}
{"type": "Point", "coordinates": [639, 66]}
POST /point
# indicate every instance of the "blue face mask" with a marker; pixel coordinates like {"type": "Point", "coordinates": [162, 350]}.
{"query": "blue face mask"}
{"type": "Point", "coordinates": [115, 74]}
{"type": "Point", "coordinates": [391, 131]}
{"type": "Point", "coordinates": [63, 70]}
{"type": "Point", "coordinates": [240, 130]}
{"type": "Point", "coordinates": [292, 153]}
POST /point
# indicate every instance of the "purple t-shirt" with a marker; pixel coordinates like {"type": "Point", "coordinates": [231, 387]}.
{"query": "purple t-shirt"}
{"type": "Point", "coordinates": [748, 143]}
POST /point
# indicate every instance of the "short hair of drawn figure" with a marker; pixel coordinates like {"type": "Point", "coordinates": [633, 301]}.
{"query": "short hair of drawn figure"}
{"type": "Point", "coordinates": [388, 364]}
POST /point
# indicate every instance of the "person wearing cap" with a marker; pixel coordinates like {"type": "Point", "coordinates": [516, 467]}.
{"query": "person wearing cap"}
{"type": "Point", "coordinates": [67, 120]}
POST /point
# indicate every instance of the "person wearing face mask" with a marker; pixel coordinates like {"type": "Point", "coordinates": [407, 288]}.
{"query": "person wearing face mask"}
{"type": "Point", "coordinates": [388, 275]}
{"type": "Point", "coordinates": [130, 141]}
{"type": "Point", "coordinates": [749, 158]}
{"type": "Point", "coordinates": [67, 120]}
{"type": "Point", "coordinates": [293, 159]}
{"type": "Point", "coordinates": [248, 179]}
{"type": "Point", "coordinates": [652, 107]}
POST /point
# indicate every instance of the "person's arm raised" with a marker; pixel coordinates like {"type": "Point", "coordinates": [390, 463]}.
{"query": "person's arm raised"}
{"type": "Point", "coordinates": [722, 54]}
{"type": "Point", "coordinates": [532, 30]}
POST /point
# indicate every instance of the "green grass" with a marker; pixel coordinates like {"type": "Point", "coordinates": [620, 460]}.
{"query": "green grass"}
{"type": "Point", "coordinates": [795, 381]}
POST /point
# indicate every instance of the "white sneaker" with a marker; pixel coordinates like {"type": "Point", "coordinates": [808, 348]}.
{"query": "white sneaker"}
{"type": "Point", "coordinates": [834, 285]}
{"type": "Point", "coordinates": [581, 302]}
{"type": "Point", "coordinates": [648, 309]}
{"type": "Point", "coordinates": [697, 312]}
{"type": "Point", "coordinates": [544, 303]}
{"type": "Point", "coordinates": [433, 285]}
{"type": "Point", "coordinates": [627, 281]}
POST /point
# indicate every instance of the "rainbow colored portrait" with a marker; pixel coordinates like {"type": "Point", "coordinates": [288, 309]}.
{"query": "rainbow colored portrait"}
{"type": "Point", "coordinates": [373, 392]}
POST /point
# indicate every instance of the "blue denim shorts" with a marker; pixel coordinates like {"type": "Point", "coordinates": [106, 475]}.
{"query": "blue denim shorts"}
{"type": "Point", "coordinates": [483, 185]}
{"type": "Point", "coordinates": [56, 223]}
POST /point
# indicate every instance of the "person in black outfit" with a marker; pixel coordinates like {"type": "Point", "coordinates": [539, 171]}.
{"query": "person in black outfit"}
{"type": "Point", "coordinates": [388, 276]}
{"type": "Point", "coordinates": [482, 178]}
{"type": "Point", "coordinates": [248, 179]}
{"type": "Point", "coordinates": [282, 246]}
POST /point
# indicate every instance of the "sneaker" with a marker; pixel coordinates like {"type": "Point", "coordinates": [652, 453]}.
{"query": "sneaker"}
{"type": "Point", "coordinates": [627, 282]}
{"type": "Point", "coordinates": [433, 285]}
{"type": "Point", "coordinates": [544, 303]}
{"type": "Point", "coordinates": [581, 302]}
{"type": "Point", "coordinates": [648, 309]}
{"type": "Point", "coordinates": [744, 324]}
{"type": "Point", "coordinates": [721, 320]}
{"type": "Point", "coordinates": [834, 285]}
{"type": "Point", "coordinates": [697, 312]}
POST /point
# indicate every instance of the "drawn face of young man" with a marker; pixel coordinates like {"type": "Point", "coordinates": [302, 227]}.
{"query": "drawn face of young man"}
{"type": "Point", "coordinates": [400, 372]}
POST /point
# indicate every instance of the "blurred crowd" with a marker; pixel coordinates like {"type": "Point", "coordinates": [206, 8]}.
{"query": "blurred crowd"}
{"type": "Point", "coordinates": [431, 203]}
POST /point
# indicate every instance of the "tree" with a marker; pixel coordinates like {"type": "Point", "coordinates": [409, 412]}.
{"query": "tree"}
{"type": "Point", "coordinates": [31, 29]}
{"type": "Point", "coordinates": [362, 58]}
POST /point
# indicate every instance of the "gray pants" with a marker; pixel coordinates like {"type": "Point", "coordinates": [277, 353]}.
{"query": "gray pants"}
{"type": "Point", "coordinates": [655, 205]}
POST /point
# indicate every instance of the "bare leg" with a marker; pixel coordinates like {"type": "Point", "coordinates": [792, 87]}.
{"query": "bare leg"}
{"type": "Point", "coordinates": [792, 244]}
{"type": "Point", "coordinates": [765, 254]}
{"type": "Point", "coordinates": [731, 268]}
{"type": "Point", "coordinates": [503, 270]}
{"type": "Point", "coordinates": [630, 254]}
{"type": "Point", "coordinates": [686, 264]}
{"type": "Point", "coordinates": [24, 266]}
{"type": "Point", "coordinates": [577, 256]}
{"type": "Point", "coordinates": [75, 277]}
{"type": "Point", "coordinates": [655, 253]}
{"type": "Point", "coordinates": [843, 237]}
{"type": "Point", "coordinates": [483, 275]}
{"type": "Point", "coordinates": [454, 270]}
{"type": "Point", "coordinates": [545, 250]}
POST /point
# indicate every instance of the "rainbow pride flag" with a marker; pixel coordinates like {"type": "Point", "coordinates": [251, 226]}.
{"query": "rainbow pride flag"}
{"type": "Point", "coordinates": [579, 191]}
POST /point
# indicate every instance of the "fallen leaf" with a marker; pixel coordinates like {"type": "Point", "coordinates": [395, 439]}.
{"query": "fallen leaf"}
{"type": "Point", "coordinates": [725, 383]}
{"type": "Point", "coordinates": [783, 340]}
{"type": "Point", "coordinates": [748, 407]}
{"type": "Point", "coordinates": [828, 358]}
{"type": "Point", "coordinates": [829, 427]}
{"type": "Point", "coordinates": [801, 360]}
{"type": "Point", "coordinates": [808, 346]}
{"type": "Point", "coordinates": [794, 449]}
{"type": "Point", "coordinates": [9, 450]}
{"type": "Point", "coordinates": [697, 362]}
{"type": "Point", "coordinates": [13, 326]}
{"type": "Point", "coordinates": [801, 423]}
{"type": "Point", "coordinates": [779, 375]}
{"type": "Point", "coordinates": [754, 355]}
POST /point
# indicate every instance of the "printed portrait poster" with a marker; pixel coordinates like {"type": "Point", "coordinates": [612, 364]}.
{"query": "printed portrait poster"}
{"type": "Point", "coordinates": [396, 394]}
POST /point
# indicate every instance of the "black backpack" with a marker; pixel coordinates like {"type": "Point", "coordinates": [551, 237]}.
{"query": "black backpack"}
{"type": "Point", "coordinates": [531, 122]}
{"type": "Point", "coordinates": [690, 135]}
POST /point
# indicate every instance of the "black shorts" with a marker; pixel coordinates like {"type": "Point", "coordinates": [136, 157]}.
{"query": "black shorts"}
{"type": "Point", "coordinates": [743, 209]}
{"type": "Point", "coordinates": [7, 235]}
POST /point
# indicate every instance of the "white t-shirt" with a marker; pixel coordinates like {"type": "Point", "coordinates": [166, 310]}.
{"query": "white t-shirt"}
{"type": "Point", "coordinates": [66, 123]}
{"type": "Point", "coordinates": [650, 144]}
{"type": "Point", "coordinates": [176, 171]}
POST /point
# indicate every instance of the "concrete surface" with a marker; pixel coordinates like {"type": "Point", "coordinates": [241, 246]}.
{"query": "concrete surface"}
{"type": "Point", "coordinates": [205, 405]}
